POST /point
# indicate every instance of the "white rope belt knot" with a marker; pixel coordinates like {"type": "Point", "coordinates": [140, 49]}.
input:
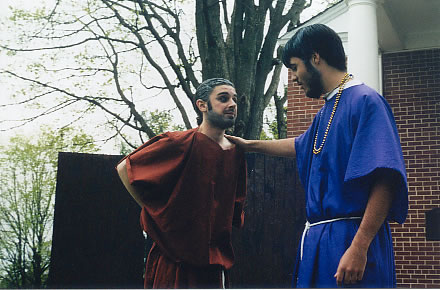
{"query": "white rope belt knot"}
{"type": "Point", "coordinates": [309, 225]}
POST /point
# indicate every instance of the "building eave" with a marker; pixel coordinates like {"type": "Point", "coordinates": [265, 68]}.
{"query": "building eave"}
{"type": "Point", "coordinates": [325, 16]}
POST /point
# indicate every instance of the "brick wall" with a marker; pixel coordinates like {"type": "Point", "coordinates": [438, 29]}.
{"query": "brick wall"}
{"type": "Point", "coordinates": [412, 87]}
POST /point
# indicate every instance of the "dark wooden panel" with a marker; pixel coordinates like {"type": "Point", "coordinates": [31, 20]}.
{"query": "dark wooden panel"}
{"type": "Point", "coordinates": [98, 243]}
{"type": "Point", "coordinates": [97, 239]}
{"type": "Point", "coordinates": [275, 214]}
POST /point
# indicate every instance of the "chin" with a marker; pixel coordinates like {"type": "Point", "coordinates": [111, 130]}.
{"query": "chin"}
{"type": "Point", "coordinates": [229, 123]}
{"type": "Point", "coordinates": [313, 94]}
{"type": "Point", "coordinates": [314, 97]}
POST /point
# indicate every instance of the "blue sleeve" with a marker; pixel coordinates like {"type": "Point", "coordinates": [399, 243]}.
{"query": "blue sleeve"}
{"type": "Point", "coordinates": [304, 152]}
{"type": "Point", "coordinates": [376, 145]}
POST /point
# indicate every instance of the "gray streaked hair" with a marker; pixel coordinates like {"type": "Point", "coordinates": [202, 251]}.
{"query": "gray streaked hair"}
{"type": "Point", "coordinates": [206, 87]}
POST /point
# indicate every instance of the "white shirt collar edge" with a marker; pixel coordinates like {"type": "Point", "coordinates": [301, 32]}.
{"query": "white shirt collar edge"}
{"type": "Point", "coordinates": [350, 83]}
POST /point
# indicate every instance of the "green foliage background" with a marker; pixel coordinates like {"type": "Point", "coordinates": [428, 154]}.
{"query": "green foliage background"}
{"type": "Point", "coordinates": [27, 191]}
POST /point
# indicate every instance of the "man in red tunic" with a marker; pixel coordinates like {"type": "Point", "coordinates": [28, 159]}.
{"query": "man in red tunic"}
{"type": "Point", "coordinates": [191, 186]}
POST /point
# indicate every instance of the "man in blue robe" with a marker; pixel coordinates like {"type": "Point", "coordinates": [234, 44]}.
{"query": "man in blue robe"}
{"type": "Point", "coordinates": [351, 164]}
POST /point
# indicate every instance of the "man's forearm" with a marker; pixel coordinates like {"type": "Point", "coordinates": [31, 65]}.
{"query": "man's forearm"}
{"type": "Point", "coordinates": [352, 264]}
{"type": "Point", "coordinates": [122, 171]}
{"type": "Point", "coordinates": [281, 147]}
{"type": "Point", "coordinates": [375, 214]}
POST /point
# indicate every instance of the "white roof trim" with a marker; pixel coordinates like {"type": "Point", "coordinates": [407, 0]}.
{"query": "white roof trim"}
{"type": "Point", "coordinates": [324, 17]}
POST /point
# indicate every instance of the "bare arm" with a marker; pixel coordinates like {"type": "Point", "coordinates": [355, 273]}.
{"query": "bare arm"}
{"type": "Point", "coordinates": [122, 171]}
{"type": "Point", "coordinates": [352, 264]}
{"type": "Point", "coordinates": [281, 147]}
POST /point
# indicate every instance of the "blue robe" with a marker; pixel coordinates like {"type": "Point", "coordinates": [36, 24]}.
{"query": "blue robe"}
{"type": "Point", "coordinates": [362, 138]}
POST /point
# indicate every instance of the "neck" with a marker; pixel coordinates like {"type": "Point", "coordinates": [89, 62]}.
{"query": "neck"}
{"type": "Point", "coordinates": [215, 134]}
{"type": "Point", "coordinates": [332, 79]}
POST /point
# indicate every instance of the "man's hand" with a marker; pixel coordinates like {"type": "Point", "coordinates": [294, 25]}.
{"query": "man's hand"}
{"type": "Point", "coordinates": [243, 143]}
{"type": "Point", "coordinates": [351, 266]}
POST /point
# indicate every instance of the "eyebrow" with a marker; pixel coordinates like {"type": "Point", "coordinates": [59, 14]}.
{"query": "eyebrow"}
{"type": "Point", "coordinates": [225, 93]}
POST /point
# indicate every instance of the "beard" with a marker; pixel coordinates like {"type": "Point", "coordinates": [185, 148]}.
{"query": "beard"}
{"type": "Point", "coordinates": [314, 82]}
{"type": "Point", "coordinates": [218, 120]}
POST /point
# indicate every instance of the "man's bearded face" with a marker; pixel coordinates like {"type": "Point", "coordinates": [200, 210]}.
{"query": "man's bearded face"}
{"type": "Point", "coordinates": [307, 77]}
{"type": "Point", "coordinates": [222, 107]}
{"type": "Point", "coordinates": [313, 81]}
{"type": "Point", "coordinates": [223, 120]}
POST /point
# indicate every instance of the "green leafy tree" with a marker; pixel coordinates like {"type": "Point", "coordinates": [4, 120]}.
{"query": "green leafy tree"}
{"type": "Point", "coordinates": [27, 189]}
{"type": "Point", "coordinates": [111, 54]}
{"type": "Point", "coordinates": [161, 121]}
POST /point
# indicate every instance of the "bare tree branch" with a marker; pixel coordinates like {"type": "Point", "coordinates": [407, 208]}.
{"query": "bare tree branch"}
{"type": "Point", "coordinates": [111, 41]}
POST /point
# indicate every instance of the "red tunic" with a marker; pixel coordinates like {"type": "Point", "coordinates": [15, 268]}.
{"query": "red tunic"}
{"type": "Point", "coordinates": [194, 191]}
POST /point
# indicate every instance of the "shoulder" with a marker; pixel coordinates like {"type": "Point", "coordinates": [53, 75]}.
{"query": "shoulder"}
{"type": "Point", "coordinates": [362, 92]}
{"type": "Point", "coordinates": [364, 96]}
{"type": "Point", "coordinates": [180, 136]}
{"type": "Point", "coordinates": [177, 140]}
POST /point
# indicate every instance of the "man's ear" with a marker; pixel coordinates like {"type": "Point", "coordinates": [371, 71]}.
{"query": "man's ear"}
{"type": "Point", "coordinates": [202, 105]}
{"type": "Point", "coordinates": [316, 58]}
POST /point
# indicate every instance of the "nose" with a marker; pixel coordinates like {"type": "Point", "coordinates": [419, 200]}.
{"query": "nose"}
{"type": "Point", "coordinates": [232, 103]}
{"type": "Point", "coordinates": [294, 77]}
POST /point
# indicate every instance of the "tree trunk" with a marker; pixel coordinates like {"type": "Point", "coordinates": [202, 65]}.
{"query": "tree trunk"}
{"type": "Point", "coordinates": [210, 40]}
{"type": "Point", "coordinates": [281, 117]}
{"type": "Point", "coordinates": [36, 264]}
{"type": "Point", "coordinates": [246, 54]}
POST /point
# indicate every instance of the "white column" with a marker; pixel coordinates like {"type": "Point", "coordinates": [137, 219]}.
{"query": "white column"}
{"type": "Point", "coordinates": [363, 46]}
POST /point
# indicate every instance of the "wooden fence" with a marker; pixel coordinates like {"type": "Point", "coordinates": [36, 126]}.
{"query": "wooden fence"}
{"type": "Point", "coordinates": [98, 243]}
{"type": "Point", "coordinates": [275, 215]}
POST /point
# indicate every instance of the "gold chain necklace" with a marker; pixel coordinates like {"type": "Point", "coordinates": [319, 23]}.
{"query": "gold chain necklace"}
{"type": "Point", "coordinates": [338, 96]}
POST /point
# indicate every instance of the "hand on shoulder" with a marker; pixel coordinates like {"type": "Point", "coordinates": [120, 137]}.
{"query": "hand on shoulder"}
{"type": "Point", "coordinates": [243, 143]}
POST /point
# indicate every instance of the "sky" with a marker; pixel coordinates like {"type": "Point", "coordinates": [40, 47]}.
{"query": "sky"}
{"type": "Point", "coordinates": [19, 112]}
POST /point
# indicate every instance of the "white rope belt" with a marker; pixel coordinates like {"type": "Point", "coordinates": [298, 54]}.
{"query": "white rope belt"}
{"type": "Point", "coordinates": [309, 225]}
